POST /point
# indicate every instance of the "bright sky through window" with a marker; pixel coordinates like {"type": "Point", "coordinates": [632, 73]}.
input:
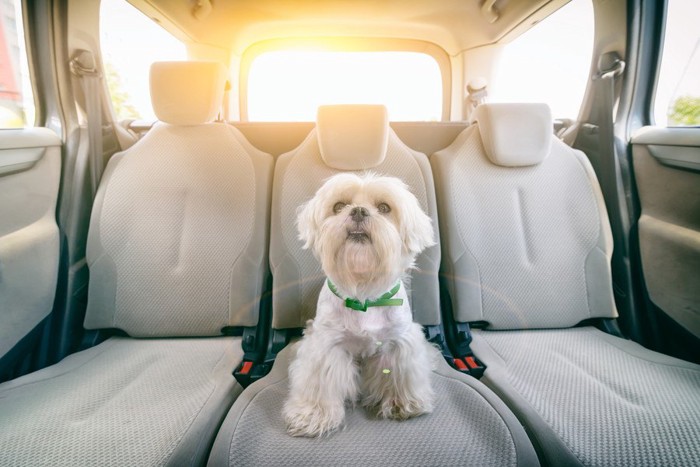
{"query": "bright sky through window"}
{"type": "Point", "coordinates": [290, 85]}
{"type": "Point", "coordinates": [549, 63]}
{"type": "Point", "coordinates": [131, 42]}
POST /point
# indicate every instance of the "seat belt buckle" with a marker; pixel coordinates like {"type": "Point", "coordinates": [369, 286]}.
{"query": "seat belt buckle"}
{"type": "Point", "coordinates": [249, 372]}
{"type": "Point", "coordinates": [470, 365]}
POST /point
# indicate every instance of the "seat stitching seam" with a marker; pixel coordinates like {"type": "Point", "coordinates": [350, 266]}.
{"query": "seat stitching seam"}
{"type": "Point", "coordinates": [460, 230]}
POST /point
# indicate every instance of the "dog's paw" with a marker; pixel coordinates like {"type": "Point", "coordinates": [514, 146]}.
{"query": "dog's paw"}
{"type": "Point", "coordinates": [313, 420]}
{"type": "Point", "coordinates": [402, 409]}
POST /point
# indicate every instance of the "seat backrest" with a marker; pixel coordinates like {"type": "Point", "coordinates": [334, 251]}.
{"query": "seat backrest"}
{"type": "Point", "coordinates": [525, 234]}
{"type": "Point", "coordinates": [179, 230]}
{"type": "Point", "coordinates": [353, 138]}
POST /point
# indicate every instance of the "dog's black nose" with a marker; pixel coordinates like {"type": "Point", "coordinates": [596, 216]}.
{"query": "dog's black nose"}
{"type": "Point", "coordinates": [358, 214]}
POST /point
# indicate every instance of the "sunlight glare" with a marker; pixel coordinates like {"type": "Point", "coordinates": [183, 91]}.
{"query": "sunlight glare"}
{"type": "Point", "coordinates": [289, 85]}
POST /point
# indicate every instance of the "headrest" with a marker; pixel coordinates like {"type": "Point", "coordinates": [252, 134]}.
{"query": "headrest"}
{"type": "Point", "coordinates": [352, 137]}
{"type": "Point", "coordinates": [187, 93]}
{"type": "Point", "coordinates": [515, 135]}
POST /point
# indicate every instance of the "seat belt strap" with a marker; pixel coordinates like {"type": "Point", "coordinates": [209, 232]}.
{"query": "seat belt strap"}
{"type": "Point", "coordinates": [604, 85]}
{"type": "Point", "coordinates": [83, 66]}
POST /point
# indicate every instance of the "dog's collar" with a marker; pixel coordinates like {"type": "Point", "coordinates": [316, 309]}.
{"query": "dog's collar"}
{"type": "Point", "coordinates": [384, 300]}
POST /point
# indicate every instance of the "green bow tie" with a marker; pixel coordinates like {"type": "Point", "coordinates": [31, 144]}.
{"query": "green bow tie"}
{"type": "Point", "coordinates": [384, 300]}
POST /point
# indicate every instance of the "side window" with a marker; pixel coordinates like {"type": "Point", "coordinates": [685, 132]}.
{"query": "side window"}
{"type": "Point", "coordinates": [550, 62]}
{"type": "Point", "coordinates": [130, 43]}
{"type": "Point", "coordinates": [677, 100]}
{"type": "Point", "coordinates": [16, 99]}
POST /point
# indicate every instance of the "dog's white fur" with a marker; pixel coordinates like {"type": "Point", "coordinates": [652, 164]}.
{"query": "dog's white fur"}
{"type": "Point", "coordinates": [345, 353]}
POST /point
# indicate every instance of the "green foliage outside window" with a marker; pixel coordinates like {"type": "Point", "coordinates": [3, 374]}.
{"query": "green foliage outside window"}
{"type": "Point", "coordinates": [685, 111]}
{"type": "Point", "coordinates": [120, 98]}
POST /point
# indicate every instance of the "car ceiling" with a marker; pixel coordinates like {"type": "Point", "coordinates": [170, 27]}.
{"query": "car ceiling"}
{"type": "Point", "coordinates": [454, 25]}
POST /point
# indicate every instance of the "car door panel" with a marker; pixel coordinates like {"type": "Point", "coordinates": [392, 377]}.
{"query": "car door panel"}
{"type": "Point", "coordinates": [30, 168]}
{"type": "Point", "coordinates": [667, 172]}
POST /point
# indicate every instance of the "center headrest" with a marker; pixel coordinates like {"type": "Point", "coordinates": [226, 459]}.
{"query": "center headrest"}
{"type": "Point", "coordinates": [352, 137]}
{"type": "Point", "coordinates": [515, 135]}
{"type": "Point", "coordinates": [187, 93]}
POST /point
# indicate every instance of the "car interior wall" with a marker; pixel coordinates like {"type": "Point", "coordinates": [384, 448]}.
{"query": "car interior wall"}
{"type": "Point", "coordinates": [233, 101]}
{"type": "Point", "coordinates": [480, 62]}
{"type": "Point", "coordinates": [145, 7]}
{"type": "Point", "coordinates": [609, 37]}
{"type": "Point", "coordinates": [83, 26]}
{"type": "Point", "coordinates": [457, 91]}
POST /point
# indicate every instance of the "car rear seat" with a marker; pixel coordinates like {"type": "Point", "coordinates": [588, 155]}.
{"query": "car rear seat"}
{"type": "Point", "coordinates": [177, 247]}
{"type": "Point", "coordinates": [526, 249]}
{"type": "Point", "coordinates": [469, 424]}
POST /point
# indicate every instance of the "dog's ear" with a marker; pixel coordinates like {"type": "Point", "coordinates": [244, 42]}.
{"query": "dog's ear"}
{"type": "Point", "coordinates": [307, 224]}
{"type": "Point", "coordinates": [416, 227]}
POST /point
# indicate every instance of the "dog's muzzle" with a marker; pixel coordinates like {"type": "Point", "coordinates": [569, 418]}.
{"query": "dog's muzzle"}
{"type": "Point", "coordinates": [358, 232]}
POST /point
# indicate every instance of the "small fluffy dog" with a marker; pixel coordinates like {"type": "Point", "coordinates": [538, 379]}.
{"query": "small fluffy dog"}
{"type": "Point", "coordinates": [363, 345]}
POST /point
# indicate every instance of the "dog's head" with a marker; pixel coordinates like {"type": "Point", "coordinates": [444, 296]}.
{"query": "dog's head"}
{"type": "Point", "coordinates": [365, 229]}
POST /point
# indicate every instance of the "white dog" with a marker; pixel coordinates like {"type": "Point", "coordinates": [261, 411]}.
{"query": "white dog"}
{"type": "Point", "coordinates": [366, 231]}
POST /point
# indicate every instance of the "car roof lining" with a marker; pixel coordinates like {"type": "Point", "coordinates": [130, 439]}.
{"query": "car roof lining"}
{"type": "Point", "coordinates": [454, 25]}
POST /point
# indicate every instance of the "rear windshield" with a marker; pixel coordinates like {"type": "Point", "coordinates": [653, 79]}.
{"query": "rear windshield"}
{"type": "Point", "coordinates": [290, 85]}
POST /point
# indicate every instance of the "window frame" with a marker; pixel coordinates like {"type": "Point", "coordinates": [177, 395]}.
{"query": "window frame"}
{"type": "Point", "coordinates": [346, 44]}
{"type": "Point", "coordinates": [659, 24]}
{"type": "Point", "coordinates": [24, 39]}
{"type": "Point", "coordinates": [164, 26]}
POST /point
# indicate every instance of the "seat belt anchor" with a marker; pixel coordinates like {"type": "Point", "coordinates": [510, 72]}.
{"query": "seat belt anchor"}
{"type": "Point", "coordinates": [609, 66]}
{"type": "Point", "coordinates": [83, 64]}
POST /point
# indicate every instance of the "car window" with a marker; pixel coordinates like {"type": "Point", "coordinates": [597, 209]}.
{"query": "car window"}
{"type": "Point", "coordinates": [16, 98]}
{"type": "Point", "coordinates": [677, 100]}
{"type": "Point", "coordinates": [130, 43]}
{"type": "Point", "coordinates": [289, 85]}
{"type": "Point", "coordinates": [550, 62]}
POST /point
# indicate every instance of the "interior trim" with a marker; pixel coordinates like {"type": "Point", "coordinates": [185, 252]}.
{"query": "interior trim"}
{"type": "Point", "coordinates": [674, 136]}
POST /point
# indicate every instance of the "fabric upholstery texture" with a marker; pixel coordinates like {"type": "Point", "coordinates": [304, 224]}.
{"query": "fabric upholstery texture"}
{"type": "Point", "coordinates": [515, 135]}
{"type": "Point", "coordinates": [609, 400]}
{"type": "Point", "coordinates": [469, 426]}
{"type": "Point", "coordinates": [124, 402]}
{"type": "Point", "coordinates": [187, 93]}
{"type": "Point", "coordinates": [529, 247]}
{"type": "Point", "coordinates": [523, 247]}
{"type": "Point", "coordinates": [352, 137]}
{"type": "Point", "coordinates": [297, 274]}
{"type": "Point", "coordinates": [177, 242]}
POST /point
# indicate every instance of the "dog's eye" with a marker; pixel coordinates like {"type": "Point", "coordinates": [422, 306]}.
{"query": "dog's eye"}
{"type": "Point", "coordinates": [337, 207]}
{"type": "Point", "coordinates": [383, 208]}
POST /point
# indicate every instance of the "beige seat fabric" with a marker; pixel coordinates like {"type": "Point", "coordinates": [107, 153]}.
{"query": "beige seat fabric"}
{"type": "Point", "coordinates": [176, 248]}
{"type": "Point", "coordinates": [469, 425]}
{"type": "Point", "coordinates": [177, 240]}
{"type": "Point", "coordinates": [526, 244]}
